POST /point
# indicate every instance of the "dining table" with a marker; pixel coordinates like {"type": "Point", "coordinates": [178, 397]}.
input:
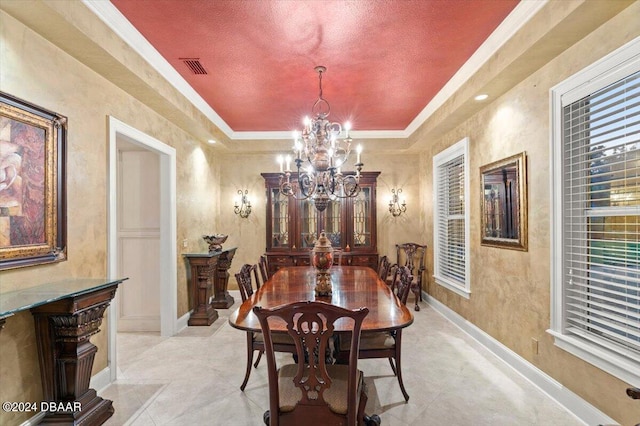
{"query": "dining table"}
{"type": "Point", "coordinates": [353, 287]}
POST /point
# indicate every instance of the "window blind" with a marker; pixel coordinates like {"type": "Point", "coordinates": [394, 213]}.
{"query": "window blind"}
{"type": "Point", "coordinates": [451, 221]}
{"type": "Point", "coordinates": [601, 217]}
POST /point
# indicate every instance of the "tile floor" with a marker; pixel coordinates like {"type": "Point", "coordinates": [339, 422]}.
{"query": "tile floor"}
{"type": "Point", "coordinates": [194, 377]}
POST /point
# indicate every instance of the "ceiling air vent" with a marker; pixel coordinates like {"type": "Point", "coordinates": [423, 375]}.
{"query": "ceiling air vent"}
{"type": "Point", "coordinates": [194, 65]}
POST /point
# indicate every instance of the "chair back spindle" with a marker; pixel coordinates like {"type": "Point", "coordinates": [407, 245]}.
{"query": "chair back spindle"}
{"type": "Point", "coordinates": [263, 265]}
{"type": "Point", "coordinates": [248, 273]}
{"type": "Point", "coordinates": [384, 268]}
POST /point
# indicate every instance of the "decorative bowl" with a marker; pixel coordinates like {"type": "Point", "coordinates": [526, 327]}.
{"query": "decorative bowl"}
{"type": "Point", "coordinates": [215, 241]}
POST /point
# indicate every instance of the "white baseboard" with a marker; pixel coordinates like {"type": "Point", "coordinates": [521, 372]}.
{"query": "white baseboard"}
{"type": "Point", "coordinates": [35, 420]}
{"type": "Point", "coordinates": [139, 323]}
{"type": "Point", "coordinates": [577, 406]}
{"type": "Point", "coordinates": [101, 379]}
{"type": "Point", "coordinates": [182, 322]}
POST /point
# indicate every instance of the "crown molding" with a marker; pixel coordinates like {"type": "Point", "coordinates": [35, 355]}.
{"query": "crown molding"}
{"type": "Point", "coordinates": [518, 17]}
{"type": "Point", "coordinates": [115, 20]}
{"type": "Point", "coordinates": [112, 17]}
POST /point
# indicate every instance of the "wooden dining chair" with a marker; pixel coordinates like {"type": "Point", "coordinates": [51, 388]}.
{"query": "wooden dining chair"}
{"type": "Point", "coordinates": [384, 269]}
{"type": "Point", "coordinates": [313, 391]}
{"type": "Point", "coordinates": [337, 257]}
{"type": "Point", "coordinates": [384, 344]}
{"type": "Point", "coordinates": [245, 278]}
{"type": "Point", "coordinates": [245, 284]}
{"type": "Point", "coordinates": [412, 255]}
{"type": "Point", "coordinates": [263, 265]}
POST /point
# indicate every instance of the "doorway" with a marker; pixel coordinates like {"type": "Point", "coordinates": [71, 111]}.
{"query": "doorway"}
{"type": "Point", "coordinates": [122, 135]}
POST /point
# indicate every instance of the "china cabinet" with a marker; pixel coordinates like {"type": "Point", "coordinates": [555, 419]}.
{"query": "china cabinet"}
{"type": "Point", "coordinates": [293, 225]}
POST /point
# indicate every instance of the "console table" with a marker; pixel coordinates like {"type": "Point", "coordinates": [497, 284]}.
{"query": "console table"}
{"type": "Point", "coordinates": [208, 279]}
{"type": "Point", "coordinates": [66, 314]}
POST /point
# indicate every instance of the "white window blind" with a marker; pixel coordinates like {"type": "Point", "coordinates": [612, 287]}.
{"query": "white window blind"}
{"type": "Point", "coordinates": [450, 218]}
{"type": "Point", "coordinates": [601, 218]}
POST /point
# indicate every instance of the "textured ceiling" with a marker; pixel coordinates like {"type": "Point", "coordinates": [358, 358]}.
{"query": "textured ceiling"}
{"type": "Point", "coordinates": [385, 59]}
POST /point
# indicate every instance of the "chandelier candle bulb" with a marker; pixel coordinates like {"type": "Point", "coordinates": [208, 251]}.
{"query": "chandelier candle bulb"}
{"type": "Point", "coordinates": [358, 151]}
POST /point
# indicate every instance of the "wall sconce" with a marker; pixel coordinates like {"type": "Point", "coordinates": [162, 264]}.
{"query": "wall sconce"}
{"type": "Point", "coordinates": [395, 208]}
{"type": "Point", "coordinates": [244, 208]}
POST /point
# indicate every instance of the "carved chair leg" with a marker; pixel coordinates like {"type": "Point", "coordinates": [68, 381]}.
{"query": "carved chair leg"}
{"type": "Point", "coordinates": [372, 420]}
{"type": "Point", "coordinates": [393, 366]}
{"type": "Point", "coordinates": [249, 360]}
{"type": "Point", "coordinates": [362, 403]}
{"type": "Point", "coordinates": [404, 391]}
{"type": "Point", "coordinates": [415, 289]}
{"type": "Point", "coordinates": [255, 364]}
{"type": "Point", "coordinates": [399, 367]}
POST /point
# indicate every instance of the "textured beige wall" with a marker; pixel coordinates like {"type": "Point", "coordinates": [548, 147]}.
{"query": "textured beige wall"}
{"type": "Point", "coordinates": [510, 297]}
{"type": "Point", "coordinates": [35, 70]}
{"type": "Point", "coordinates": [242, 171]}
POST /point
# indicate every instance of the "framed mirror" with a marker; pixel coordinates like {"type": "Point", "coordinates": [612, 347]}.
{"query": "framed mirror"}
{"type": "Point", "coordinates": [504, 203]}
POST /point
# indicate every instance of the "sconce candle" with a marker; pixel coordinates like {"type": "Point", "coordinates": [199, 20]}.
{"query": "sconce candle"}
{"type": "Point", "coordinates": [244, 208]}
{"type": "Point", "coordinates": [395, 208]}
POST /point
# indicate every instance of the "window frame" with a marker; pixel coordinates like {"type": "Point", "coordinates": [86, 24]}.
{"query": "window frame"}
{"type": "Point", "coordinates": [459, 149]}
{"type": "Point", "coordinates": [608, 70]}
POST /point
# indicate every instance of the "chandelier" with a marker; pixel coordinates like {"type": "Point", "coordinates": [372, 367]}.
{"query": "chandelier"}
{"type": "Point", "coordinates": [320, 151]}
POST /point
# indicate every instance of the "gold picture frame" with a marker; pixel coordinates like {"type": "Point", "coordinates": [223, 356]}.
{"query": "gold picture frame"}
{"type": "Point", "coordinates": [504, 203]}
{"type": "Point", "coordinates": [32, 184]}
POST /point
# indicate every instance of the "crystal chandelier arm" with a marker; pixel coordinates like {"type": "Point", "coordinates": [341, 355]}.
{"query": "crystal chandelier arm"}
{"type": "Point", "coordinates": [307, 184]}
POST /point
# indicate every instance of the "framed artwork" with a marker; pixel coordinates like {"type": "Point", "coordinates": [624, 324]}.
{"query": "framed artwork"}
{"type": "Point", "coordinates": [32, 184]}
{"type": "Point", "coordinates": [504, 203]}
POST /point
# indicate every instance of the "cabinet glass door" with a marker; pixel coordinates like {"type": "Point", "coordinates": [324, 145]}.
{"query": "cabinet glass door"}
{"type": "Point", "coordinates": [280, 219]}
{"type": "Point", "coordinates": [308, 216]}
{"type": "Point", "coordinates": [362, 218]}
{"type": "Point", "coordinates": [333, 223]}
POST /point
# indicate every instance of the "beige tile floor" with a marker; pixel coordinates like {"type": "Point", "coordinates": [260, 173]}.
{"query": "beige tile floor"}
{"type": "Point", "coordinates": [193, 378]}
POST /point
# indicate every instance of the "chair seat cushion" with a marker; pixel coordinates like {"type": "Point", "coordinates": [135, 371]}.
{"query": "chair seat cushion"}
{"type": "Point", "coordinates": [335, 396]}
{"type": "Point", "coordinates": [369, 341]}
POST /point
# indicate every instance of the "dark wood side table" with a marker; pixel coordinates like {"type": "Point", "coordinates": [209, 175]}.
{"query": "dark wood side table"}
{"type": "Point", "coordinates": [208, 279]}
{"type": "Point", "coordinates": [66, 315]}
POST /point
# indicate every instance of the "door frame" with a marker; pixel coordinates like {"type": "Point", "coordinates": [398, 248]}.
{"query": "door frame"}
{"type": "Point", "coordinates": [168, 229]}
